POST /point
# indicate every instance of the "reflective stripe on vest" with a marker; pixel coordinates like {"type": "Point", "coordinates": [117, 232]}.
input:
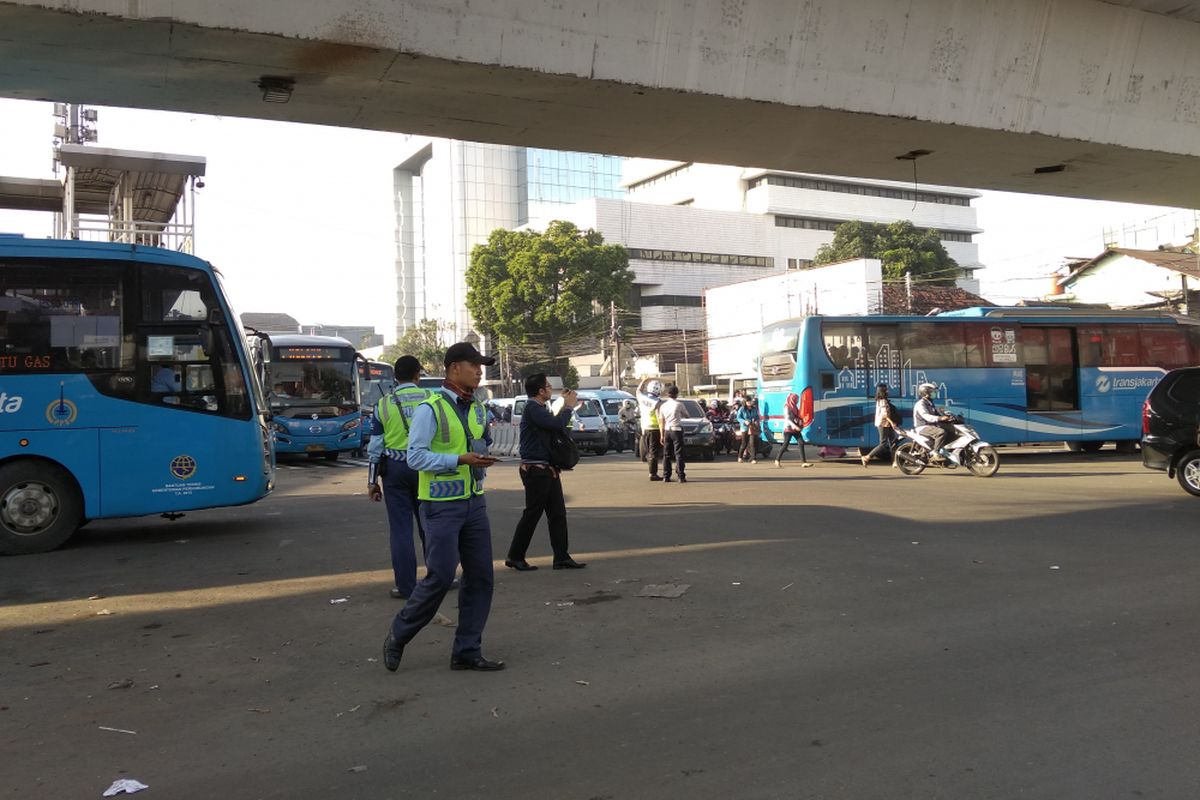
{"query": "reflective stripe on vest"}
{"type": "Point", "coordinates": [451, 438]}
{"type": "Point", "coordinates": [395, 413]}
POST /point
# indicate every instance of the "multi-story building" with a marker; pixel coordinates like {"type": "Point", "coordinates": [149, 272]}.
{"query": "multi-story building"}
{"type": "Point", "coordinates": [450, 195]}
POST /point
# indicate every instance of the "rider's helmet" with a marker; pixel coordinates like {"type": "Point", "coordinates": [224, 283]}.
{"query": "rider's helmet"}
{"type": "Point", "coordinates": [927, 390]}
{"type": "Point", "coordinates": [713, 404]}
{"type": "Point", "coordinates": [737, 401]}
{"type": "Point", "coordinates": [654, 389]}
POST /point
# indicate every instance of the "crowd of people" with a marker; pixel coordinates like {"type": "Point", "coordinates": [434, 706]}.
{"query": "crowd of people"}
{"type": "Point", "coordinates": [428, 460]}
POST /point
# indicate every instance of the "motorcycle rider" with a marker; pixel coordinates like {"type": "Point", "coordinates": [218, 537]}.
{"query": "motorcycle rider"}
{"type": "Point", "coordinates": [628, 414]}
{"type": "Point", "coordinates": [930, 421]}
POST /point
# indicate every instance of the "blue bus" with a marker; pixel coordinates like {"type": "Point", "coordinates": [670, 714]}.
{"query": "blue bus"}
{"type": "Point", "coordinates": [126, 389]}
{"type": "Point", "coordinates": [312, 385]}
{"type": "Point", "coordinates": [1017, 374]}
{"type": "Point", "coordinates": [376, 379]}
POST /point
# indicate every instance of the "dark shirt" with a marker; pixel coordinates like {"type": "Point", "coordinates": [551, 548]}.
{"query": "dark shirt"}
{"type": "Point", "coordinates": [536, 422]}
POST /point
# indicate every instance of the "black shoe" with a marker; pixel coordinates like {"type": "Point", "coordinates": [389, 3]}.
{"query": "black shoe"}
{"type": "Point", "coordinates": [655, 478]}
{"type": "Point", "coordinates": [477, 662]}
{"type": "Point", "coordinates": [393, 651]}
{"type": "Point", "coordinates": [520, 565]}
{"type": "Point", "coordinates": [682, 479]}
{"type": "Point", "coordinates": [398, 595]}
{"type": "Point", "coordinates": [667, 479]}
{"type": "Point", "coordinates": [569, 563]}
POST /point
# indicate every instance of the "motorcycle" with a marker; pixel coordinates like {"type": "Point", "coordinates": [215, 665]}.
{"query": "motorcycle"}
{"type": "Point", "coordinates": [723, 434]}
{"type": "Point", "coordinates": [964, 448]}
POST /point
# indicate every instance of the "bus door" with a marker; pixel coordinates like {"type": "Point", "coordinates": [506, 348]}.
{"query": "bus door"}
{"type": "Point", "coordinates": [1051, 383]}
{"type": "Point", "coordinates": [846, 389]}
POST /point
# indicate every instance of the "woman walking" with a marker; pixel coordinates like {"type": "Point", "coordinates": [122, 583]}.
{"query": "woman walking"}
{"type": "Point", "coordinates": [793, 425]}
{"type": "Point", "coordinates": [887, 418]}
{"type": "Point", "coordinates": [751, 427]}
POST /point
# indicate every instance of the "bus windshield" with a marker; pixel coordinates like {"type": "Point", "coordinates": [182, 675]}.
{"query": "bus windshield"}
{"type": "Point", "coordinates": [298, 382]}
{"type": "Point", "coordinates": [777, 351]}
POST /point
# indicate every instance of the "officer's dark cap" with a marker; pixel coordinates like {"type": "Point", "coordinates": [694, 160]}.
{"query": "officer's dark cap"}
{"type": "Point", "coordinates": [465, 351]}
{"type": "Point", "coordinates": [408, 366]}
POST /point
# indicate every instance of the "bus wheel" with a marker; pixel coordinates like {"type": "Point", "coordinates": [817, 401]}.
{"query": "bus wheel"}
{"type": "Point", "coordinates": [40, 507]}
{"type": "Point", "coordinates": [1127, 446]}
{"type": "Point", "coordinates": [1091, 447]}
{"type": "Point", "coordinates": [333, 456]}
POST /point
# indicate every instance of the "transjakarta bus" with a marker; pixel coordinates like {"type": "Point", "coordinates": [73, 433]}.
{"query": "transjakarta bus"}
{"type": "Point", "coordinates": [312, 384]}
{"type": "Point", "coordinates": [125, 389]}
{"type": "Point", "coordinates": [1017, 375]}
{"type": "Point", "coordinates": [376, 379]}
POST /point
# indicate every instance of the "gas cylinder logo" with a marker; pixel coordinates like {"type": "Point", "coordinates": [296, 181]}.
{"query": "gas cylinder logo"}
{"type": "Point", "coordinates": [61, 412]}
{"type": "Point", "coordinates": [183, 467]}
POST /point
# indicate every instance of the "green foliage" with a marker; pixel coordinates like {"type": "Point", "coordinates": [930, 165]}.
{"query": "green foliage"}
{"type": "Point", "coordinates": [903, 248]}
{"type": "Point", "coordinates": [571, 378]}
{"type": "Point", "coordinates": [426, 341]}
{"type": "Point", "coordinates": [525, 287]}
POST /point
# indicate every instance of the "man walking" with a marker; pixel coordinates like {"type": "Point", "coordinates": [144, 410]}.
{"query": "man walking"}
{"type": "Point", "coordinates": [669, 417]}
{"type": "Point", "coordinates": [388, 456]}
{"type": "Point", "coordinates": [447, 445]}
{"type": "Point", "coordinates": [542, 480]}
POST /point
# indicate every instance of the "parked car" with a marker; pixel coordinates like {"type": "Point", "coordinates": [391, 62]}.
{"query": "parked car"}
{"type": "Point", "coordinates": [589, 430]}
{"type": "Point", "coordinates": [610, 401]}
{"type": "Point", "coordinates": [1171, 428]}
{"type": "Point", "coordinates": [514, 407]}
{"type": "Point", "coordinates": [698, 436]}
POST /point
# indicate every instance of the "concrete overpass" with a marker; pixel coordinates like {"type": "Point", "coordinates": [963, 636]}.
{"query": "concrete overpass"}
{"type": "Point", "coordinates": [1069, 97]}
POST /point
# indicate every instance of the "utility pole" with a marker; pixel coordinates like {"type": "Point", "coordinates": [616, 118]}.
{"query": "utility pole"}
{"type": "Point", "coordinates": [616, 344]}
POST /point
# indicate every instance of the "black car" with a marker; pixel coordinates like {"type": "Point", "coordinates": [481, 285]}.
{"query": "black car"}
{"type": "Point", "coordinates": [1170, 438]}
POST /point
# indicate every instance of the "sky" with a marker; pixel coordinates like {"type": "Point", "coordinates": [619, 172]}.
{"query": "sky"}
{"type": "Point", "coordinates": [299, 218]}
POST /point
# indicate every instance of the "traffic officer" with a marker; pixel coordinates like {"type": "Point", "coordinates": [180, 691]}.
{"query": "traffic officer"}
{"type": "Point", "coordinates": [649, 396]}
{"type": "Point", "coordinates": [387, 453]}
{"type": "Point", "coordinates": [447, 444]}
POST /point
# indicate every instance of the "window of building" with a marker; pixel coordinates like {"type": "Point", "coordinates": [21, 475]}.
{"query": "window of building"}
{"type": "Point", "coordinates": [662, 177]}
{"type": "Point", "coordinates": [847, 187]}
{"type": "Point", "coordinates": [818, 224]}
{"type": "Point", "coordinates": [688, 257]}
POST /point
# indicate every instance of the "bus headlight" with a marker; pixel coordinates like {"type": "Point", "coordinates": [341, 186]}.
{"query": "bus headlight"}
{"type": "Point", "coordinates": [351, 425]}
{"type": "Point", "coordinates": [279, 427]}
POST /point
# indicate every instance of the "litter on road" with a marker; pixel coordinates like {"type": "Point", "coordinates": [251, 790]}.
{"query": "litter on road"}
{"type": "Point", "coordinates": [124, 786]}
{"type": "Point", "coordinates": [123, 684]}
{"type": "Point", "coordinates": [359, 768]}
{"type": "Point", "coordinates": [117, 730]}
{"type": "Point", "coordinates": [337, 600]}
{"type": "Point", "coordinates": [669, 590]}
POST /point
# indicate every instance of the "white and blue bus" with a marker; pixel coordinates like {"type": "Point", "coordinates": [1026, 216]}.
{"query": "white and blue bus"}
{"type": "Point", "coordinates": [313, 387]}
{"type": "Point", "coordinates": [377, 379]}
{"type": "Point", "coordinates": [126, 389]}
{"type": "Point", "coordinates": [1017, 375]}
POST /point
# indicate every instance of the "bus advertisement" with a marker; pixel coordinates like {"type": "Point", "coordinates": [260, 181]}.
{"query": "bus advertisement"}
{"type": "Point", "coordinates": [125, 390]}
{"type": "Point", "coordinates": [1017, 375]}
{"type": "Point", "coordinates": [312, 385]}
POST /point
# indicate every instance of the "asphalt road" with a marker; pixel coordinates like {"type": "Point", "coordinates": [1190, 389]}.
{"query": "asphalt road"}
{"type": "Point", "coordinates": [846, 633]}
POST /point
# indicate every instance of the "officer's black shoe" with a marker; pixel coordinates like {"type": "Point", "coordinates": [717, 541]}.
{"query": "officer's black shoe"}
{"type": "Point", "coordinates": [682, 479]}
{"type": "Point", "coordinates": [655, 478]}
{"type": "Point", "coordinates": [393, 651]}
{"type": "Point", "coordinates": [520, 565]}
{"type": "Point", "coordinates": [397, 594]}
{"type": "Point", "coordinates": [476, 662]}
{"type": "Point", "coordinates": [569, 563]}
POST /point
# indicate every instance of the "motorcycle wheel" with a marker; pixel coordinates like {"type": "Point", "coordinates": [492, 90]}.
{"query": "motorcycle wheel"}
{"type": "Point", "coordinates": [907, 460]}
{"type": "Point", "coordinates": [983, 461]}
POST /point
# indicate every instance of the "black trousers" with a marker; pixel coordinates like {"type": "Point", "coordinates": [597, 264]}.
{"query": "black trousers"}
{"type": "Point", "coordinates": [788, 437]}
{"type": "Point", "coordinates": [543, 495]}
{"type": "Point", "coordinates": [653, 449]}
{"type": "Point", "coordinates": [886, 437]}
{"type": "Point", "coordinates": [674, 452]}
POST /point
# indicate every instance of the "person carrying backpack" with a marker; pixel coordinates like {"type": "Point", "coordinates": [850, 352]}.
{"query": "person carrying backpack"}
{"type": "Point", "coordinates": [887, 420]}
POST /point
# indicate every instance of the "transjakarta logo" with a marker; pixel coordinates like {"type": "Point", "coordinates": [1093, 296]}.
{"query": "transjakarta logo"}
{"type": "Point", "coordinates": [10, 404]}
{"type": "Point", "coordinates": [1105, 384]}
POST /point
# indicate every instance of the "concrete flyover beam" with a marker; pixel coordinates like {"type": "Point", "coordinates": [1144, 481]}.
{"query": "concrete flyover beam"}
{"type": "Point", "coordinates": [1070, 97]}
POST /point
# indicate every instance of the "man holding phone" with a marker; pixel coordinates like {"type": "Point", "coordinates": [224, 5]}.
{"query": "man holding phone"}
{"type": "Point", "coordinates": [542, 480]}
{"type": "Point", "coordinates": [447, 445]}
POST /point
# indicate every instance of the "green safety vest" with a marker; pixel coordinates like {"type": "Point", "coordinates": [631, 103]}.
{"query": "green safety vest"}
{"type": "Point", "coordinates": [452, 438]}
{"type": "Point", "coordinates": [394, 411]}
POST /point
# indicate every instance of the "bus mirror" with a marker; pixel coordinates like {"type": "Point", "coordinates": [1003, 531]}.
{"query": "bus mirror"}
{"type": "Point", "coordinates": [207, 340]}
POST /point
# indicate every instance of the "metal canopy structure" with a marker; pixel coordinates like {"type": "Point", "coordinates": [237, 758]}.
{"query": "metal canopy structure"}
{"type": "Point", "coordinates": [141, 186]}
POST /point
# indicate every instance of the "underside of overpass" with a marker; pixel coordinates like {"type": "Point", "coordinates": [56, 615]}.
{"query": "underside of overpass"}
{"type": "Point", "coordinates": [1077, 98]}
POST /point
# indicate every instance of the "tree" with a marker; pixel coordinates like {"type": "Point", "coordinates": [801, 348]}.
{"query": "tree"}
{"type": "Point", "coordinates": [423, 340]}
{"type": "Point", "coordinates": [530, 288]}
{"type": "Point", "coordinates": [903, 248]}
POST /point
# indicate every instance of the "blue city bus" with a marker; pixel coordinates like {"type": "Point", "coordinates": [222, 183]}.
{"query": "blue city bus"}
{"type": "Point", "coordinates": [376, 379]}
{"type": "Point", "coordinates": [312, 385]}
{"type": "Point", "coordinates": [126, 389]}
{"type": "Point", "coordinates": [1017, 375]}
